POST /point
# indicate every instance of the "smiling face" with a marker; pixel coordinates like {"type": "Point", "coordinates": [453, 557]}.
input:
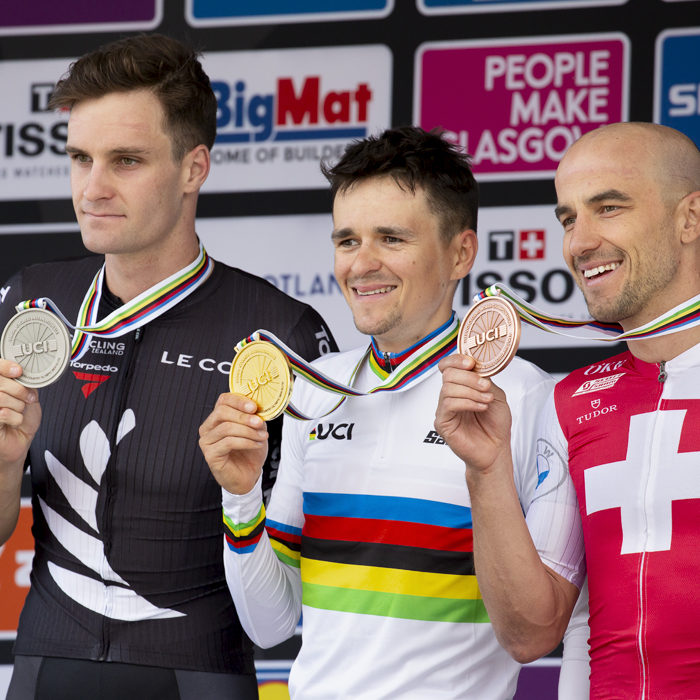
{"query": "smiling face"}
{"type": "Point", "coordinates": [397, 274]}
{"type": "Point", "coordinates": [620, 233]}
{"type": "Point", "coordinates": [128, 192]}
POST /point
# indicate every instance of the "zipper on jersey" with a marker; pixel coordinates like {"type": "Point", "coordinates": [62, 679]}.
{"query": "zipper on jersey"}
{"type": "Point", "coordinates": [643, 562]}
{"type": "Point", "coordinates": [663, 374]}
{"type": "Point", "coordinates": [120, 399]}
{"type": "Point", "coordinates": [387, 362]}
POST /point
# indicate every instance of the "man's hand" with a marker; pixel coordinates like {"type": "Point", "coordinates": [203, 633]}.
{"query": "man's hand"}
{"type": "Point", "coordinates": [20, 415]}
{"type": "Point", "coordinates": [234, 442]}
{"type": "Point", "coordinates": [472, 415]}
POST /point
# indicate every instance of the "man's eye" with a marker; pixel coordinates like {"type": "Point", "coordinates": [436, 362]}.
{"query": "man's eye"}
{"type": "Point", "coordinates": [128, 161]}
{"type": "Point", "coordinates": [608, 208]}
{"type": "Point", "coordinates": [82, 158]}
{"type": "Point", "coordinates": [570, 221]}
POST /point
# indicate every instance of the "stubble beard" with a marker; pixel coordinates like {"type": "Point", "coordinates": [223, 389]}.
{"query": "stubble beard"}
{"type": "Point", "coordinates": [635, 295]}
{"type": "Point", "coordinates": [388, 323]}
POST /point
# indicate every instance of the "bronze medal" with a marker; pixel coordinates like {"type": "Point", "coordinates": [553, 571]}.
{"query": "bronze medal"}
{"type": "Point", "coordinates": [260, 371]}
{"type": "Point", "coordinates": [490, 333]}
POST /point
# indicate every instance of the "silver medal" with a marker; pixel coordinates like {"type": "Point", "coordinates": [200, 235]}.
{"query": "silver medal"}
{"type": "Point", "coordinates": [37, 340]}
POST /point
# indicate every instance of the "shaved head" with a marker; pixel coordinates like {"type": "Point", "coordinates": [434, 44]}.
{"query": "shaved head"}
{"type": "Point", "coordinates": [668, 156]}
{"type": "Point", "coordinates": [629, 202]}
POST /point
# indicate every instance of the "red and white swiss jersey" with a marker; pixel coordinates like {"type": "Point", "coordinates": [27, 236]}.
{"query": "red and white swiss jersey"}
{"type": "Point", "coordinates": [621, 439]}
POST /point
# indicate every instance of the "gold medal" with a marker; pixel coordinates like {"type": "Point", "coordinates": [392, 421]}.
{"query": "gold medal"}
{"type": "Point", "coordinates": [261, 372]}
{"type": "Point", "coordinates": [490, 333]}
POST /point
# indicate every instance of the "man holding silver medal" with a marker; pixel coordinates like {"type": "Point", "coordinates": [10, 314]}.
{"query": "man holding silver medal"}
{"type": "Point", "coordinates": [619, 451]}
{"type": "Point", "coordinates": [127, 521]}
{"type": "Point", "coordinates": [369, 526]}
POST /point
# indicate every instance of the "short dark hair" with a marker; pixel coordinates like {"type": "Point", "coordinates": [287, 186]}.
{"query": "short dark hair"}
{"type": "Point", "coordinates": [167, 67]}
{"type": "Point", "coordinates": [414, 158]}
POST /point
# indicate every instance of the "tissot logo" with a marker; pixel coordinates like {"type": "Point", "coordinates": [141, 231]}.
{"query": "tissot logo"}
{"type": "Point", "coordinates": [531, 245]}
{"type": "Point", "coordinates": [342, 431]}
{"type": "Point", "coordinates": [434, 438]}
{"type": "Point", "coordinates": [92, 381]}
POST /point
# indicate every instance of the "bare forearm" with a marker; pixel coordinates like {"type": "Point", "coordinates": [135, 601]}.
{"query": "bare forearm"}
{"type": "Point", "coordinates": [528, 604]}
{"type": "Point", "coordinates": [10, 490]}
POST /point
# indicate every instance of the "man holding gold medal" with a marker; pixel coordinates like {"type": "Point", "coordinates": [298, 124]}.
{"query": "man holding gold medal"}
{"type": "Point", "coordinates": [619, 451]}
{"type": "Point", "coordinates": [127, 521]}
{"type": "Point", "coordinates": [369, 525]}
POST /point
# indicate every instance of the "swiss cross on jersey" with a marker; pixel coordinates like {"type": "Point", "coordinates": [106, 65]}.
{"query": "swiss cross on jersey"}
{"type": "Point", "coordinates": [646, 455]}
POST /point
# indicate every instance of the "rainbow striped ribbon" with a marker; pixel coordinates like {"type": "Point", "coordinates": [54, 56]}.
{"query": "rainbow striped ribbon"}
{"type": "Point", "coordinates": [680, 318]}
{"type": "Point", "coordinates": [137, 313]}
{"type": "Point", "coordinates": [412, 370]}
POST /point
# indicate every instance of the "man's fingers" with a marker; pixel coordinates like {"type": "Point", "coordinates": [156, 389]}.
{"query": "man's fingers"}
{"type": "Point", "coordinates": [230, 411]}
{"type": "Point", "coordinates": [240, 403]}
{"type": "Point", "coordinates": [226, 429]}
{"type": "Point", "coordinates": [17, 390]}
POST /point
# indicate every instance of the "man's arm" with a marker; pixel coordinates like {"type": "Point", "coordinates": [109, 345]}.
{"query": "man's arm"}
{"type": "Point", "coordinates": [20, 415]}
{"type": "Point", "coordinates": [529, 604]}
{"type": "Point", "coordinates": [265, 586]}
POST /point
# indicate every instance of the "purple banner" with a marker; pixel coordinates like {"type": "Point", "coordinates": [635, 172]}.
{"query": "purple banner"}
{"type": "Point", "coordinates": [79, 15]}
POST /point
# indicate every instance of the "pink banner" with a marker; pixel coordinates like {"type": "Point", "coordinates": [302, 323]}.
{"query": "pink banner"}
{"type": "Point", "coordinates": [516, 105]}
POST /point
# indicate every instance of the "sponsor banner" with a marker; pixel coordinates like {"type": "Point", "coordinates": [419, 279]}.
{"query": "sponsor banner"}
{"type": "Point", "coordinates": [217, 13]}
{"type": "Point", "coordinates": [520, 246]}
{"type": "Point", "coordinates": [70, 16]}
{"type": "Point", "coordinates": [33, 161]}
{"type": "Point", "coordinates": [451, 7]}
{"type": "Point", "coordinates": [534, 97]}
{"type": "Point", "coordinates": [677, 81]}
{"type": "Point", "coordinates": [281, 112]}
{"type": "Point", "coordinates": [294, 253]}
{"type": "Point", "coordinates": [16, 557]}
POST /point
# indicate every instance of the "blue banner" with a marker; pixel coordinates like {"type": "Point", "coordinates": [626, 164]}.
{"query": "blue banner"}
{"type": "Point", "coordinates": [677, 88]}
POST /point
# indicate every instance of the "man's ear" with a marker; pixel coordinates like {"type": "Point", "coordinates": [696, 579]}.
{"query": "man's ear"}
{"type": "Point", "coordinates": [195, 168]}
{"type": "Point", "coordinates": [466, 246]}
{"type": "Point", "coordinates": [689, 217]}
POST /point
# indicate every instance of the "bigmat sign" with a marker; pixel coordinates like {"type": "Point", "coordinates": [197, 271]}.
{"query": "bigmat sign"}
{"type": "Point", "coordinates": [33, 161]}
{"type": "Point", "coordinates": [281, 112]}
{"type": "Point", "coordinates": [215, 13]}
{"type": "Point", "coordinates": [449, 7]}
{"type": "Point", "coordinates": [519, 246]}
{"type": "Point", "coordinates": [677, 81]}
{"type": "Point", "coordinates": [517, 104]}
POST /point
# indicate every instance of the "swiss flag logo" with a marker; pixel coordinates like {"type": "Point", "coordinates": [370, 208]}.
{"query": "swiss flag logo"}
{"type": "Point", "coordinates": [93, 381]}
{"type": "Point", "coordinates": [531, 245]}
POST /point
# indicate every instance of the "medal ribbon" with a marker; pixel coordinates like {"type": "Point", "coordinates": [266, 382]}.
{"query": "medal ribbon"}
{"type": "Point", "coordinates": [682, 317]}
{"type": "Point", "coordinates": [414, 368]}
{"type": "Point", "coordinates": [144, 308]}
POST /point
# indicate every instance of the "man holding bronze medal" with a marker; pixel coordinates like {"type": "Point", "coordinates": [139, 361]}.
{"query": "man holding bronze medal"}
{"type": "Point", "coordinates": [127, 516]}
{"type": "Point", "coordinates": [619, 453]}
{"type": "Point", "coordinates": [369, 524]}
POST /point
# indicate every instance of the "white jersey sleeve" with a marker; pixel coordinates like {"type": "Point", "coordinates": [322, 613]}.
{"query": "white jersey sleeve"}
{"type": "Point", "coordinates": [261, 554]}
{"type": "Point", "coordinates": [574, 681]}
{"type": "Point", "coordinates": [554, 519]}
{"type": "Point", "coordinates": [526, 408]}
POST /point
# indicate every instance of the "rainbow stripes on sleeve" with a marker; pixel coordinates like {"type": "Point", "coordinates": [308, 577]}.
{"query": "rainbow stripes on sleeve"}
{"type": "Point", "coordinates": [390, 556]}
{"type": "Point", "coordinates": [286, 541]}
{"type": "Point", "coordinates": [242, 538]}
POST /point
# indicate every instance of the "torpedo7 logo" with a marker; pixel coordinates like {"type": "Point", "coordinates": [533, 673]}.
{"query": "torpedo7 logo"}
{"type": "Point", "coordinates": [298, 110]}
{"type": "Point", "coordinates": [92, 381]}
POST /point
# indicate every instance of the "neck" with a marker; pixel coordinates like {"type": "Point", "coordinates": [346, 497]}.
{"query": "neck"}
{"type": "Point", "coordinates": [666, 347]}
{"type": "Point", "coordinates": [129, 275]}
{"type": "Point", "coordinates": [398, 348]}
